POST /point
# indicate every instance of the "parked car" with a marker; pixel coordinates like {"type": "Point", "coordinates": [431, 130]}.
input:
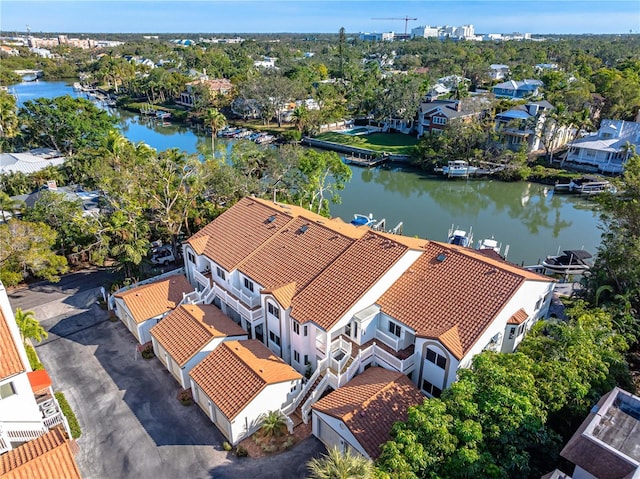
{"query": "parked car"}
{"type": "Point", "coordinates": [163, 255]}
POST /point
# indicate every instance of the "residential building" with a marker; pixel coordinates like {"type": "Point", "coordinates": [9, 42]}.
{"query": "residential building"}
{"type": "Point", "coordinates": [425, 31]}
{"type": "Point", "coordinates": [143, 306]}
{"type": "Point", "coordinates": [266, 62]}
{"type": "Point", "coordinates": [28, 408]}
{"type": "Point", "coordinates": [188, 334]}
{"type": "Point", "coordinates": [607, 443]}
{"type": "Point", "coordinates": [358, 416]}
{"type": "Point", "coordinates": [216, 86]}
{"type": "Point", "coordinates": [498, 71]}
{"type": "Point", "coordinates": [331, 298]}
{"type": "Point", "coordinates": [49, 456]}
{"type": "Point", "coordinates": [377, 37]}
{"type": "Point", "coordinates": [517, 89]}
{"type": "Point", "coordinates": [532, 125]}
{"type": "Point", "coordinates": [608, 149]}
{"type": "Point", "coordinates": [239, 382]}
{"type": "Point", "coordinates": [88, 201]}
{"type": "Point", "coordinates": [30, 161]}
{"type": "Point", "coordinates": [435, 115]}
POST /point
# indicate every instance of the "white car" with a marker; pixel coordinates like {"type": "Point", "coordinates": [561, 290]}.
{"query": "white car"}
{"type": "Point", "coordinates": [163, 256]}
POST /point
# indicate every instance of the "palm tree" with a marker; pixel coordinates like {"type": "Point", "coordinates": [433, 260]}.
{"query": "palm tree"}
{"type": "Point", "coordinates": [29, 326]}
{"type": "Point", "coordinates": [339, 465]}
{"type": "Point", "coordinates": [8, 117]}
{"type": "Point", "coordinates": [273, 424]}
{"type": "Point", "coordinates": [216, 121]}
{"type": "Point", "coordinates": [8, 206]}
{"type": "Point", "coordinates": [300, 116]}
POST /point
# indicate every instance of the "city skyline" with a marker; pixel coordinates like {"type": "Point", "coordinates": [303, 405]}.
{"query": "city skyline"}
{"type": "Point", "coordinates": [262, 16]}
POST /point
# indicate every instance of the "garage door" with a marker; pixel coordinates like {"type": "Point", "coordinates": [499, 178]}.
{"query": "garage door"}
{"type": "Point", "coordinates": [329, 436]}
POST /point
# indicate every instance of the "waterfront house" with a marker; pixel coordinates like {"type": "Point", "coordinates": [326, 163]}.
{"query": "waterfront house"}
{"type": "Point", "coordinates": [517, 89]}
{"type": "Point", "coordinates": [28, 408]}
{"type": "Point", "coordinates": [332, 299]}
{"type": "Point", "coordinates": [607, 443]}
{"type": "Point", "coordinates": [143, 306]}
{"type": "Point", "coordinates": [215, 86]}
{"type": "Point", "coordinates": [531, 125]}
{"type": "Point", "coordinates": [608, 149]}
{"type": "Point", "coordinates": [188, 334]}
{"type": "Point", "coordinates": [358, 416]}
{"type": "Point", "coordinates": [435, 115]}
{"type": "Point", "coordinates": [238, 383]}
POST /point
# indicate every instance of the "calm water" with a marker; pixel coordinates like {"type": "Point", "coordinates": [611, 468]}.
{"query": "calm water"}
{"type": "Point", "coordinates": [530, 219]}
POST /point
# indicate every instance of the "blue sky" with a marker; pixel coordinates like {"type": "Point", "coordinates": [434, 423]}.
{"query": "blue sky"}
{"type": "Point", "coordinates": [169, 16]}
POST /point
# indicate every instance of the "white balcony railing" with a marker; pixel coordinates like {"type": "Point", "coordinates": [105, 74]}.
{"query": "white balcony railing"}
{"type": "Point", "coordinates": [293, 405]}
{"type": "Point", "coordinates": [22, 431]}
{"type": "Point", "coordinates": [201, 278]}
{"type": "Point", "coordinates": [232, 300]}
{"type": "Point", "coordinates": [391, 341]}
{"type": "Point", "coordinates": [306, 407]}
{"type": "Point", "coordinates": [250, 300]}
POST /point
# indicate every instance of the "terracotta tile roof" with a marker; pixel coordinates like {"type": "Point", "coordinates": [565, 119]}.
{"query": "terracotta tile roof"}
{"type": "Point", "coordinates": [47, 457]}
{"type": "Point", "coordinates": [370, 404]}
{"type": "Point", "coordinates": [297, 253]}
{"type": "Point", "coordinates": [199, 244]}
{"type": "Point", "coordinates": [39, 380]}
{"type": "Point", "coordinates": [239, 231]}
{"type": "Point", "coordinates": [352, 274]}
{"type": "Point", "coordinates": [451, 340]}
{"type": "Point", "coordinates": [461, 289]}
{"type": "Point", "coordinates": [214, 84]}
{"type": "Point", "coordinates": [283, 294]}
{"type": "Point", "coordinates": [151, 300]}
{"type": "Point", "coordinates": [234, 373]}
{"type": "Point", "coordinates": [518, 317]}
{"type": "Point", "coordinates": [190, 327]}
{"type": "Point", "coordinates": [10, 361]}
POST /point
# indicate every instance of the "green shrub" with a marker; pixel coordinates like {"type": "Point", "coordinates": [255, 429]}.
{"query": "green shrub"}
{"type": "Point", "coordinates": [292, 135]}
{"type": "Point", "coordinates": [71, 417]}
{"type": "Point", "coordinates": [226, 446]}
{"type": "Point", "coordinates": [241, 451]}
{"type": "Point", "coordinates": [147, 352]}
{"type": "Point", "coordinates": [34, 361]}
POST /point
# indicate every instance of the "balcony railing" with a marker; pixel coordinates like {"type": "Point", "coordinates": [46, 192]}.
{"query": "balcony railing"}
{"type": "Point", "coordinates": [391, 341]}
{"type": "Point", "coordinates": [230, 299]}
{"type": "Point", "coordinates": [250, 300]}
{"type": "Point", "coordinates": [293, 405]}
{"type": "Point", "coordinates": [21, 431]}
{"type": "Point", "coordinates": [201, 278]}
{"type": "Point", "coordinates": [400, 365]}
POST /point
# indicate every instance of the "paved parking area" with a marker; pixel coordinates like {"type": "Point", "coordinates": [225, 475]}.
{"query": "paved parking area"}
{"type": "Point", "coordinates": [132, 424]}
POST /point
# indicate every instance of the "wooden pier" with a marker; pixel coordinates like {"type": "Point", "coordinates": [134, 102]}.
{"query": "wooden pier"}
{"type": "Point", "coordinates": [365, 160]}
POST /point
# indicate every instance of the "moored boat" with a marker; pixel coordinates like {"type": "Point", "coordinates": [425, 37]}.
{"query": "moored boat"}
{"type": "Point", "coordinates": [460, 237]}
{"type": "Point", "coordinates": [569, 262]}
{"type": "Point", "coordinates": [458, 169]}
{"type": "Point", "coordinates": [586, 185]}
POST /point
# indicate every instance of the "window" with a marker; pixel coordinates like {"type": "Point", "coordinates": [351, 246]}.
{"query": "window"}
{"type": "Point", "coordinates": [296, 328]}
{"type": "Point", "coordinates": [191, 257]}
{"type": "Point", "coordinates": [306, 359]}
{"type": "Point", "coordinates": [394, 329]}
{"type": "Point", "coordinates": [296, 356]}
{"type": "Point", "coordinates": [248, 284]}
{"type": "Point", "coordinates": [274, 338]}
{"type": "Point", "coordinates": [431, 389]}
{"type": "Point", "coordinates": [347, 330]}
{"type": "Point", "coordinates": [539, 303]}
{"type": "Point", "coordinates": [435, 358]}
{"type": "Point", "coordinates": [438, 120]}
{"type": "Point", "coordinates": [7, 390]}
{"type": "Point", "coordinates": [271, 308]}
{"type": "Point", "coordinates": [512, 332]}
{"type": "Point", "coordinates": [305, 330]}
{"type": "Point", "coordinates": [220, 273]}
{"type": "Point", "coordinates": [355, 330]}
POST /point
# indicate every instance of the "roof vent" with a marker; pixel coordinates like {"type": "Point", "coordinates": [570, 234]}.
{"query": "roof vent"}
{"type": "Point", "coordinates": [271, 219]}
{"type": "Point", "coordinates": [441, 257]}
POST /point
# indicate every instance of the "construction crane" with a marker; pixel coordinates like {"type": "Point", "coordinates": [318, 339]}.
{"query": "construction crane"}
{"type": "Point", "coordinates": [406, 20]}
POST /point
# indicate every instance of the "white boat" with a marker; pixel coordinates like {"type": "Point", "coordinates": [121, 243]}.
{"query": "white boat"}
{"type": "Point", "coordinates": [460, 237]}
{"type": "Point", "coordinates": [492, 245]}
{"type": "Point", "coordinates": [586, 185]}
{"type": "Point", "coordinates": [569, 262]}
{"type": "Point", "coordinates": [458, 169]}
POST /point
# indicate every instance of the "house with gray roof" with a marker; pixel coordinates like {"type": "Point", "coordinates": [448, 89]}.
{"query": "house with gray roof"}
{"type": "Point", "coordinates": [517, 89]}
{"type": "Point", "coordinates": [30, 161]}
{"type": "Point", "coordinates": [435, 115]}
{"type": "Point", "coordinates": [608, 149]}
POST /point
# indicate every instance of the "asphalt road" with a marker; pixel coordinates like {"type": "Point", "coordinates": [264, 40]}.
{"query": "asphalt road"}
{"type": "Point", "coordinates": [132, 424]}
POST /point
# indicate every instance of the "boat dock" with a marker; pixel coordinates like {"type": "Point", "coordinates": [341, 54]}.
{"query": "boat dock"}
{"type": "Point", "coordinates": [368, 161]}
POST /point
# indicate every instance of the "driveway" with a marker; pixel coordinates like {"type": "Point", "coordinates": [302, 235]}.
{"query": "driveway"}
{"type": "Point", "coordinates": [132, 424]}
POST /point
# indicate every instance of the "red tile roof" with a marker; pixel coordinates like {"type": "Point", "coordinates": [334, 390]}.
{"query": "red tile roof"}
{"type": "Point", "coordinates": [450, 287]}
{"type": "Point", "coordinates": [39, 380]}
{"type": "Point", "coordinates": [234, 373]}
{"type": "Point", "coordinates": [47, 457]}
{"type": "Point", "coordinates": [518, 317]}
{"type": "Point", "coordinates": [151, 300]}
{"type": "Point", "coordinates": [370, 404]}
{"type": "Point", "coordinates": [190, 327]}
{"type": "Point", "coordinates": [283, 294]}
{"type": "Point", "coordinates": [298, 252]}
{"type": "Point", "coordinates": [10, 361]}
{"type": "Point", "coordinates": [351, 275]}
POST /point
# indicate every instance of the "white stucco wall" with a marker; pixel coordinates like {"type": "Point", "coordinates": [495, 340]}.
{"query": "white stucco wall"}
{"type": "Point", "coordinates": [22, 405]}
{"type": "Point", "coordinates": [340, 429]}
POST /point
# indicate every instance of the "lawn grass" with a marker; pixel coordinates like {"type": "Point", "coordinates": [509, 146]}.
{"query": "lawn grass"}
{"type": "Point", "coordinates": [395, 143]}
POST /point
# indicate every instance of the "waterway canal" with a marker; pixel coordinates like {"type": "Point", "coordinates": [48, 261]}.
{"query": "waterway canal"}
{"type": "Point", "coordinates": [528, 217]}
